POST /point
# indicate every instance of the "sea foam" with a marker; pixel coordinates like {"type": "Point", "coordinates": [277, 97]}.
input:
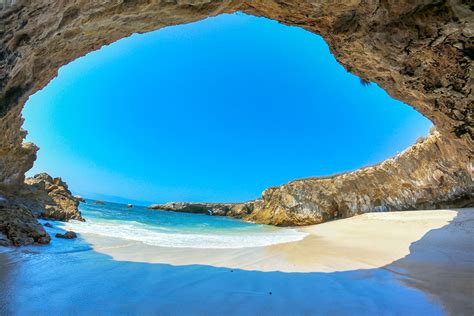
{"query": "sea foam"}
{"type": "Point", "coordinates": [139, 232]}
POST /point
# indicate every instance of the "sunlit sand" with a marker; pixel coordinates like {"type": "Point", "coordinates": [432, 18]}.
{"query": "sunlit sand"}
{"type": "Point", "coordinates": [361, 242]}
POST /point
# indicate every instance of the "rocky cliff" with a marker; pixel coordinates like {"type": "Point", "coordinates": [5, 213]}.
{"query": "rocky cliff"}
{"type": "Point", "coordinates": [431, 174]}
{"type": "Point", "coordinates": [39, 197]}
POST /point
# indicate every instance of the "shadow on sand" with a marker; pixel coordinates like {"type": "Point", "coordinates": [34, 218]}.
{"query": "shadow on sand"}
{"type": "Point", "coordinates": [69, 277]}
{"type": "Point", "coordinates": [442, 264]}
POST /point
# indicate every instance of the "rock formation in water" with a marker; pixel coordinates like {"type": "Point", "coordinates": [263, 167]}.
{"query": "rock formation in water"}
{"type": "Point", "coordinates": [238, 210]}
{"type": "Point", "coordinates": [67, 235]}
{"type": "Point", "coordinates": [420, 52]}
{"type": "Point", "coordinates": [80, 199]}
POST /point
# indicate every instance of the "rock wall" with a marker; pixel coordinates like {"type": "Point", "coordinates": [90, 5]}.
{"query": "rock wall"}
{"type": "Point", "coordinates": [429, 175]}
{"type": "Point", "coordinates": [419, 51]}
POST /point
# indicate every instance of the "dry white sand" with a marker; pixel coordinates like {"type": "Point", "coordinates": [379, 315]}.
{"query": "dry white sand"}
{"type": "Point", "coordinates": [361, 242]}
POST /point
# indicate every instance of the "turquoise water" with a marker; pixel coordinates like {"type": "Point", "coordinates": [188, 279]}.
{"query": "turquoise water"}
{"type": "Point", "coordinates": [171, 229]}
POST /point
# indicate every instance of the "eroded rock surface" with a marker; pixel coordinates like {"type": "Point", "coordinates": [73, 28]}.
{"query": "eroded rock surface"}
{"type": "Point", "coordinates": [420, 52]}
{"type": "Point", "coordinates": [41, 196]}
{"type": "Point", "coordinates": [67, 235]}
{"type": "Point", "coordinates": [18, 226]}
{"type": "Point", "coordinates": [238, 210]}
{"type": "Point", "coordinates": [429, 175]}
{"type": "Point", "coordinates": [49, 198]}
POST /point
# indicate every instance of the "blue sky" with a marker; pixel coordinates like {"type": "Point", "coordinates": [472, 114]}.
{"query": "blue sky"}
{"type": "Point", "coordinates": [216, 110]}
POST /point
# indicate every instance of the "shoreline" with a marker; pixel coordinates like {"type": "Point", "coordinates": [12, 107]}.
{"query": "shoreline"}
{"type": "Point", "coordinates": [375, 263]}
{"type": "Point", "coordinates": [409, 244]}
{"type": "Point", "coordinates": [340, 245]}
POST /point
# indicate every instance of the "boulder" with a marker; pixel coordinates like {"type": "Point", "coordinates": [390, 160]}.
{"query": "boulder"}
{"type": "Point", "coordinates": [80, 199]}
{"type": "Point", "coordinates": [18, 226]}
{"type": "Point", "coordinates": [49, 198]}
{"type": "Point", "coordinates": [67, 235]}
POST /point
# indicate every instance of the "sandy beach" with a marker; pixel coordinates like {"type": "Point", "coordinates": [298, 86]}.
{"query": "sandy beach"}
{"type": "Point", "coordinates": [377, 263]}
{"type": "Point", "coordinates": [363, 242]}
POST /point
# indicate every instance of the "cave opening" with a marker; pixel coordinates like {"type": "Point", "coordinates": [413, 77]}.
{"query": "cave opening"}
{"type": "Point", "coordinates": [217, 110]}
{"type": "Point", "coordinates": [419, 53]}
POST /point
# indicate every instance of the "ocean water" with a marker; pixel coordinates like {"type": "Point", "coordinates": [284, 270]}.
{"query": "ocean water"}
{"type": "Point", "coordinates": [172, 229]}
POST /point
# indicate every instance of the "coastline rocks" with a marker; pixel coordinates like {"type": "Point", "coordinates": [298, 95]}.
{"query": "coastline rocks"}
{"type": "Point", "coordinates": [99, 202]}
{"type": "Point", "coordinates": [49, 198]}
{"type": "Point", "coordinates": [80, 199]}
{"type": "Point", "coordinates": [39, 196]}
{"type": "Point", "coordinates": [67, 235]}
{"type": "Point", "coordinates": [431, 174]}
{"type": "Point", "coordinates": [19, 227]}
{"type": "Point", "coordinates": [237, 210]}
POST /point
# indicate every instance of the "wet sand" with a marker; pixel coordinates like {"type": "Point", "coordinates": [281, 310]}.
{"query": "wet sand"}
{"type": "Point", "coordinates": [406, 263]}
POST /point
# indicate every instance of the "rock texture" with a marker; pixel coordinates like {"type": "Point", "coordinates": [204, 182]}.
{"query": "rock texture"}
{"type": "Point", "coordinates": [40, 196]}
{"type": "Point", "coordinates": [420, 52]}
{"type": "Point", "coordinates": [238, 210]}
{"type": "Point", "coordinates": [19, 227]}
{"type": "Point", "coordinates": [429, 175]}
{"type": "Point", "coordinates": [49, 198]}
{"type": "Point", "coordinates": [80, 199]}
{"type": "Point", "coordinates": [67, 235]}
